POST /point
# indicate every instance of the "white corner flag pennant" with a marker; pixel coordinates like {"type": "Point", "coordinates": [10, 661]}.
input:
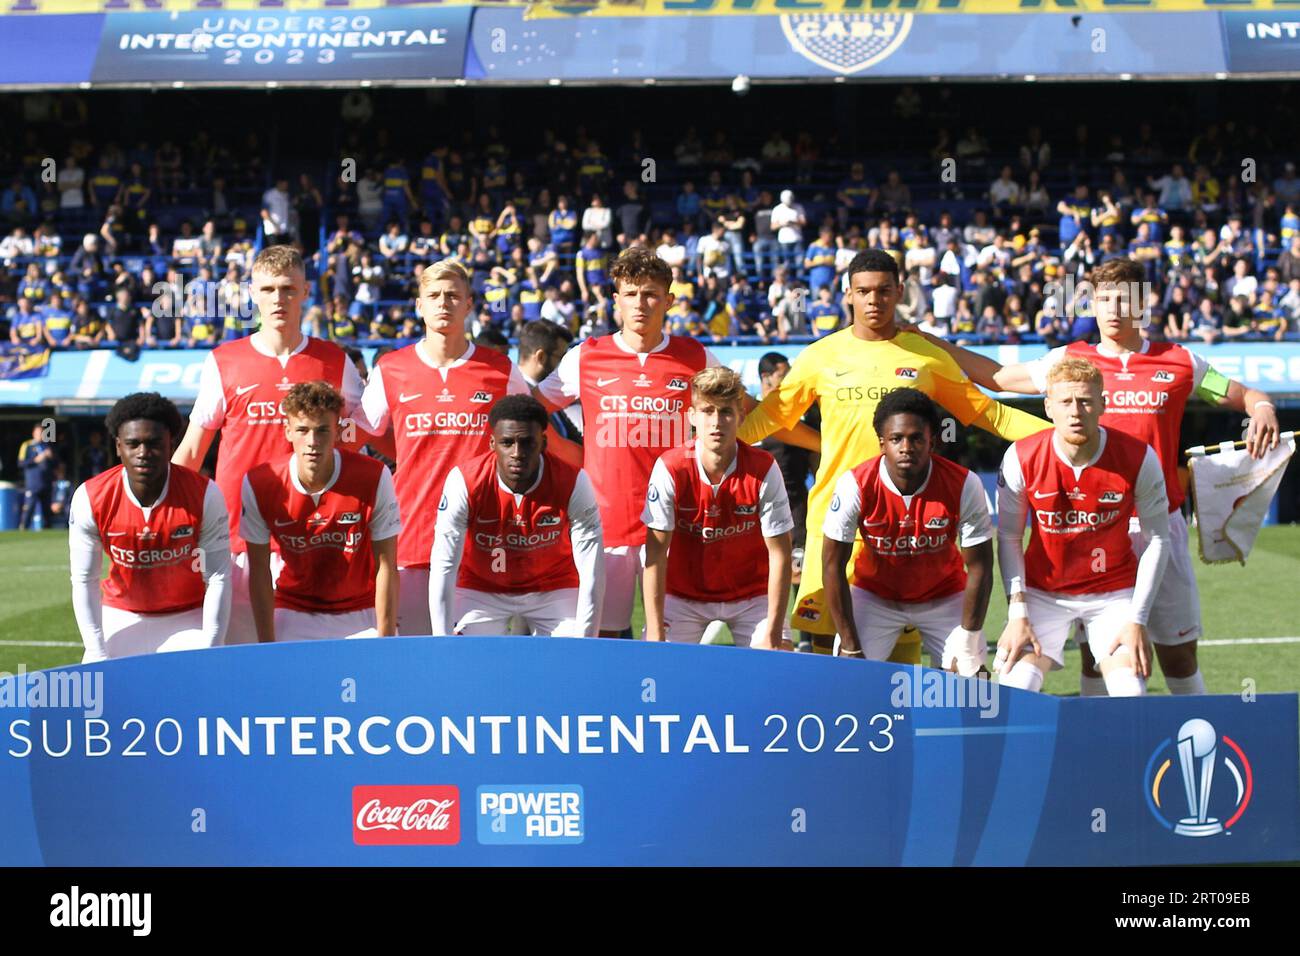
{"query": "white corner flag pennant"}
{"type": "Point", "coordinates": [1232, 493]}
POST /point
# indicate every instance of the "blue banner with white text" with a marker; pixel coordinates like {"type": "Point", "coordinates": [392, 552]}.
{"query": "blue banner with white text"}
{"type": "Point", "coordinates": [525, 751]}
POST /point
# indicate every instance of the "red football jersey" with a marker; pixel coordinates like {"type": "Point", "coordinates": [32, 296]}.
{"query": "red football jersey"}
{"type": "Point", "coordinates": [153, 565]}
{"type": "Point", "coordinates": [329, 567]}
{"type": "Point", "coordinates": [518, 546]}
{"type": "Point", "coordinates": [910, 550]}
{"type": "Point", "coordinates": [439, 420]}
{"type": "Point", "coordinates": [252, 431]}
{"type": "Point", "coordinates": [1079, 541]}
{"type": "Point", "coordinates": [634, 409]}
{"type": "Point", "coordinates": [1146, 393]}
{"type": "Point", "coordinates": [718, 552]}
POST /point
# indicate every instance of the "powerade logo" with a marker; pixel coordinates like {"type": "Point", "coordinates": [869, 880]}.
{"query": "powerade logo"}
{"type": "Point", "coordinates": [530, 814]}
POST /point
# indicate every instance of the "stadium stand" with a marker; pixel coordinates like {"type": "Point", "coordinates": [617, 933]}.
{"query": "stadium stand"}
{"type": "Point", "coordinates": [147, 240]}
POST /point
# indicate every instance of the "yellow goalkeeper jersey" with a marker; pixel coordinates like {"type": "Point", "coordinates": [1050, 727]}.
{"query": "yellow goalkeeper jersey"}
{"type": "Point", "coordinates": [848, 376]}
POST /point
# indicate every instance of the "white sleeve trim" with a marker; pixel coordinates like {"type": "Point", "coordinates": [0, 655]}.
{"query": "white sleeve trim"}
{"type": "Point", "coordinates": [385, 518]}
{"type": "Point", "coordinates": [252, 526]}
{"type": "Point", "coordinates": [1200, 366]}
{"type": "Point", "coordinates": [845, 511]}
{"type": "Point", "coordinates": [1039, 367]}
{"type": "Point", "coordinates": [775, 517]}
{"type": "Point", "coordinates": [518, 385]}
{"type": "Point", "coordinates": [976, 524]}
{"type": "Point", "coordinates": [372, 414]}
{"type": "Point", "coordinates": [209, 409]}
{"type": "Point", "coordinates": [351, 388]}
{"type": "Point", "coordinates": [660, 511]}
{"type": "Point", "coordinates": [562, 386]}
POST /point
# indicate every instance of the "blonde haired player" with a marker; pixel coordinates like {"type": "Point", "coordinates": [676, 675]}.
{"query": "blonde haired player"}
{"type": "Point", "coordinates": [1147, 387]}
{"type": "Point", "coordinates": [241, 387]}
{"type": "Point", "coordinates": [436, 395]}
{"type": "Point", "coordinates": [334, 516]}
{"type": "Point", "coordinates": [718, 528]}
{"type": "Point", "coordinates": [1079, 484]}
{"type": "Point", "coordinates": [847, 373]}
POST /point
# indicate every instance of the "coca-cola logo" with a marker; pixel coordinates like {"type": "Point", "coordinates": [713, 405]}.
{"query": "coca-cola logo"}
{"type": "Point", "coordinates": [405, 814]}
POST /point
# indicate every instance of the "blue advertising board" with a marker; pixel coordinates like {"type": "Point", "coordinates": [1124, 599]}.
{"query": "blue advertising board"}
{"type": "Point", "coordinates": [1262, 42]}
{"type": "Point", "coordinates": [1273, 367]}
{"type": "Point", "coordinates": [342, 43]}
{"type": "Point", "coordinates": [487, 751]}
{"type": "Point", "coordinates": [48, 50]}
{"type": "Point", "coordinates": [506, 46]}
{"type": "Point", "coordinates": [285, 46]}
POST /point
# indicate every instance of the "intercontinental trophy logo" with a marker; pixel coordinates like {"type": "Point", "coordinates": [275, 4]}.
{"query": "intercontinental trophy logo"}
{"type": "Point", "coordinates": [1214, 804]}
{"type": "Point", "coordinates": [846, 42]}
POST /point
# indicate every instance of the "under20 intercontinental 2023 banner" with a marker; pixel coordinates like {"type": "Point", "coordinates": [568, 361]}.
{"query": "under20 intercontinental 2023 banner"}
{"type": "Point", "coordinates": [526, 751]}
{"type": "Point", "coordinates": [234, 42]}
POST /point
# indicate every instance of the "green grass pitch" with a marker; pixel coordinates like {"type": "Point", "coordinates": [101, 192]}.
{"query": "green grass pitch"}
{"type": "Point", "coordinates": [1239, 604]}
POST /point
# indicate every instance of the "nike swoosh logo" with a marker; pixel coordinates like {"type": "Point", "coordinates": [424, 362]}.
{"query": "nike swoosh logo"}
{"type": "Point", "coordinates": [602, 382]}
{"type": "Point", "coordinates": [873, 524]}
{"type": "Point", "coordinates": [408, 398]}
{"type": "Point", "coordinates": [1186, 632]}
{"type": "Point", "coordinates": [843, 373]}
{"type": "Point", "coordinates": [283, 524]}
{"type": "Point", "coordinates": [486, 520]}
{"type": "Point", "coordinates": [244, 390]}
{"type": "Point", "coordinates": [116, 534]}
{"type": "Point", "coordinates": [1048, 494]}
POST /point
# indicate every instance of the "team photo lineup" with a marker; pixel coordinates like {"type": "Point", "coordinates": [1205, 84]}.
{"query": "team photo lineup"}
{"type": "Point", "coordinates": [493, 523]}
{"type": "Point", "coordinates": [452, 438]}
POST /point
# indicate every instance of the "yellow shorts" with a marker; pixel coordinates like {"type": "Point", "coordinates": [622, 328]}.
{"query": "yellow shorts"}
{"type": "Point", "coordinates": [810, 613]}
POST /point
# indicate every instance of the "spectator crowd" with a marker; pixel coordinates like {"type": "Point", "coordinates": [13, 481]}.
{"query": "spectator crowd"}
{"type": "Point", "coordinates": [150, 246]}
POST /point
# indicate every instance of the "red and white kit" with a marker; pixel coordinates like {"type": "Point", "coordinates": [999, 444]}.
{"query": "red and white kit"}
{"type": "Point", "coordinates": [326, 586]}
{"type": "Point", "coordinates": [241, 388]}
{"type": "Point", "coordinates": [1146, 394]}
{"type": "Point", "coordinates": [535, 554]}
{"type": "Point", "coordinates": [439, 416]}
{"type": "Point", "coordinates": [168, 583]}
{"type": "Point", "coordinates": [634, 409]}
{"type": "Point", "coordinates": [718, 560]}
{"type": "Point", "coordinates": [910, 569]}
{"type": "Point", "coordinates": [1079, 565]}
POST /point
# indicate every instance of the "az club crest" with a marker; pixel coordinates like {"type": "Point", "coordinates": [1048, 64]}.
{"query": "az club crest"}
{"type": "Point", "coordinates": [846, 43]}
{"type": "Point", "coordinates": [1191, 758]}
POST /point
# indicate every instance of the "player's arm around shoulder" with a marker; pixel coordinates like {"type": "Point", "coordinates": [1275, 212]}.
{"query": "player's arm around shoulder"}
{"type": "Point", "coordinates": [985, 371]}
{"type": "Point", "coordinates": [786, 404]}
